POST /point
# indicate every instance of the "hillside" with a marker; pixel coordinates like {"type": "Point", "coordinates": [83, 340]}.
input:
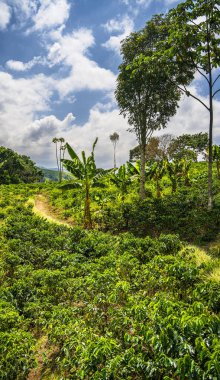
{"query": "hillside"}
{"type": "Point", "coordinates": [53, 175]}
{"type": "Point", "coordinates": [79, 304]}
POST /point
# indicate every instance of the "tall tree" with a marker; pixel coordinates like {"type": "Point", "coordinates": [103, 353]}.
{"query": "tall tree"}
{"type": "Point", "coordinates": [145, 96]}
{"type": "Point", "coordinates": [114, 139]}
{"type": "Point", "coordinates": [191, 47]}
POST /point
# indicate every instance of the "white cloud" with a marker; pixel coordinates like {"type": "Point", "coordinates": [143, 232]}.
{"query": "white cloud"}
{"type": "Point", "coordinates": [20, 101]}
{"type": "Point", "coordinates": [24, 66]}
{"type": "Point", "coordinates": [122, 26]}
{"type": "Point", "coordinates": [193, 117]}
{"type": "Point", "coordinates": [51, 13]}
{"type": "Point", "coordinates": [72, 50]}
{"type": "Point", "coordinates": [44, 129]}
{"type": "Point", "coordinates": [42, 14]}
{"type": "Point", "coordinates": [24, 8]}
{"type": "Point", "coordinates": [5, 15]}
{"type": "Point", "coordinates": [101, 123]}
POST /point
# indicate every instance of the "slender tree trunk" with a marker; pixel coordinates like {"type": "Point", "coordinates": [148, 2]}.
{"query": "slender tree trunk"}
{"type": "Point", "coordinates": [142, 171]}
{"type": "Point", "coordinates": [58, 168]}
{"type": "Point", "coordinates": [87, 211]}
{"type": "Point", "coordinates": [114, 156]}
{"type": "Point", "coordinates": [210, 121]}
{"type": "Point", "coordinates": [60, 171]}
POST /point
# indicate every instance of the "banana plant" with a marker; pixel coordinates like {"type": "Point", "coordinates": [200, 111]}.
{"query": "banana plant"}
{"type": "Point", "coordinates": [178, 169]}
{"type": "Point", "coordinates": [174, 170]}
{"type": "Point", "coordinates": [85, 174]}
{"type": "Point", "coordinates": [122, 179]}
{"type": "Point", "coordinates": [186, 164]}
{"type": "Point", "coordinates": [156, 172]}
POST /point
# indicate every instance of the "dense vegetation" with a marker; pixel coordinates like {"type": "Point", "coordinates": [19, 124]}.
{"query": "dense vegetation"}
{"type": "Point", "coordinates": [119, 292]}
{"type": "Point", "coordinates": [109, 306]}
{"type": "Point", "coordinates": [16, 168]}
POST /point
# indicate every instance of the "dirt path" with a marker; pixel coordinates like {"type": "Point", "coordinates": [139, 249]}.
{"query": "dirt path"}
{"type": "Point", "coordinates": [43, 209]}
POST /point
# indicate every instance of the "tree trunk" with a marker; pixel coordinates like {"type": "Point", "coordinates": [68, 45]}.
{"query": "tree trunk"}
{"type": "Point", "coordinates": [58, 168]}
{"type": "Point", "coordinates": [60, 171]}
{"type": "Point", "coordinates": [87, 212]}
{"type": "Point", "coordinates": [114, 157]}
{"type": "Point", "coordinates": [142, 171]}
{"type": "Point", "coordinates": [210, 120]}
{"type": "Point", "coordinates": [210, 157]}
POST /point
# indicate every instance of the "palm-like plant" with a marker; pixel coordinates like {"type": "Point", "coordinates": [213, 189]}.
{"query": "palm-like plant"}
{"type": "Point", "coordinates": [122, 179]}
{"type": "Point", "coordinates": [156, 172]}
{"type": "Point", "coordinates": [177, 170]}
{"type": "Point", "coordinates": [85, 174]}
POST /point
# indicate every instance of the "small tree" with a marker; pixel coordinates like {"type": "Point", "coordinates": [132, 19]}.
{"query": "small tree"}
{"type": "Point", "coordinates": [156, 172]}
{"type": "Point", "coordinates": [122, 179]}
{"type": "Point", "coordinates": [85, 175]}
{"type": "Point", "coordinates": [114, 139]}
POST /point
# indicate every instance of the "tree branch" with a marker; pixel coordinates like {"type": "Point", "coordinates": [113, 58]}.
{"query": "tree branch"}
{"type": "Point", "coordinates": [200, 72]}
{"type": "Point", "coordinates": [193, 96]}
{"type": "Point", "coordinates": [216, 92]}
{"type": "Point", "coordinates": [216, 80]}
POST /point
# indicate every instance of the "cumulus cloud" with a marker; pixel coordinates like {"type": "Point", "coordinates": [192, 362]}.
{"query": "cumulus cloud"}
{"type": "Point", "coordinates": [102, 122]}
{"type": "Point", "coordinates": [41, 14]}
{"type": "Point", "coordinates": [123, 27]}
{"type": "Point", "coordinates": [20, 102]}
{"type": "Point", "coordinates": [24, 66]}
{"type": "Point", "coordinates": [72, 50]}
{"type": "Point", "coordinates": [5, 15]}
{"type": "Point", "coordinates": [50, 14]}
{"type": "Point", "coordinates": [192, 117]}
{"type": "Point", "coordinates": [44, 129]}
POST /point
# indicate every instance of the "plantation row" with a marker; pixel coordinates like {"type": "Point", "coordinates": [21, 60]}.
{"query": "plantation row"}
{"type": "Point", "coordinates": [106, 307]}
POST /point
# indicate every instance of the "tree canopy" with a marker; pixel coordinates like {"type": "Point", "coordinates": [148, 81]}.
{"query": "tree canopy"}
{"type": "Point", "coordinates": [16, 168]}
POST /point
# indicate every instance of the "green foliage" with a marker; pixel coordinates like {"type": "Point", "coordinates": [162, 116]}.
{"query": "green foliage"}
{"type": "Point", "coordinates": [85, 174]}
{"type": "Point", "coordinates": [188, 146]}
{"type": "Point", "coordinates": [16, 354]}
{"type": "Point", "coordinates": [113, 306]}
{"type": "Point", "coordinates": [15, 168]}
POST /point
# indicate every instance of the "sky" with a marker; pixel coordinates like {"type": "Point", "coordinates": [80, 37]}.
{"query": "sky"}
{"type": "Point", "coordinates": [58, 69]}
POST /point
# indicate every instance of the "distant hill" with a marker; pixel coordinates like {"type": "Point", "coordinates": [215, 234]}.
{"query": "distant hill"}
{"type": "Point", "coordinates": [53, 175]}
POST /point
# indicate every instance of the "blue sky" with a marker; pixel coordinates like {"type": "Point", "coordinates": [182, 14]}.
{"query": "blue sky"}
{"type": "Point", "coordinates": [58, 70]}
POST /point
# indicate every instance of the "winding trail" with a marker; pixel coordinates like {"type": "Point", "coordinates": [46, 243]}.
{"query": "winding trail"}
{"type": "Point", "coordinates": [42, 208]}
